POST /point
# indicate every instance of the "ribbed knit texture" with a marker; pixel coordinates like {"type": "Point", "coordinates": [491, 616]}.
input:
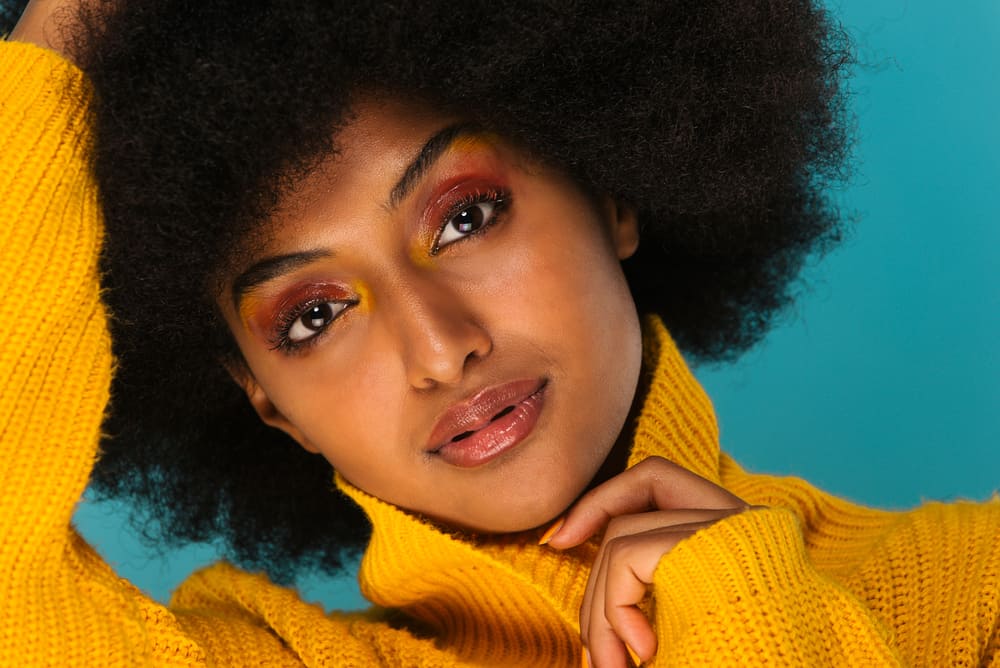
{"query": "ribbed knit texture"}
{"type": "Point", "coordinates": [811, 580]}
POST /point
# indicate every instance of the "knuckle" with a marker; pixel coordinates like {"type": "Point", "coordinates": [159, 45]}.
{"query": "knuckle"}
{"type": "Point", "coordinates": [616, 527]}
{"type": "Point", "coordinates": [614, 614]}
{"type": "Point", "coordinates": [651, 461]}
{"type": "Point", "coordinates": [616, 550]}
{"type": "Point", "coordinates": [655, 465]}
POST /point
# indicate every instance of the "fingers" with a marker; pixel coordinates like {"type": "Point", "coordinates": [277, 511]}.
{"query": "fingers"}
{"type": "Point", "coordinates": [644, 511]}
{"type": "Point", "coordinates": [633, 546]}
{"type": "Point", "coordinates": [624, 567]}
{"type": "Point", "coordinates": [610, 616]}
{"type": "Point", "coordinates": [654, 483]}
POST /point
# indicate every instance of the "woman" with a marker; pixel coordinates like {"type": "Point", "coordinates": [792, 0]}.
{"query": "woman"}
{"type": "Point", "coordinates": [408, 262]}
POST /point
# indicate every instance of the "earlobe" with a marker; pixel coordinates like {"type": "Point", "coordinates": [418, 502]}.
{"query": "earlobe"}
{"type": "Point", "coordinates": [265, 408]}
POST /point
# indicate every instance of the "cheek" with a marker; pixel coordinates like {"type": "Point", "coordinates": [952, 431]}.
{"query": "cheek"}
{"type": "Point", "coordinates": [589, 306]}
{"type": "Point", "coordinates": [574, 277]}
{"type": "Point", "coordinates": [575, 305]}
{"type": "Point", "coordinates": [339, 407]}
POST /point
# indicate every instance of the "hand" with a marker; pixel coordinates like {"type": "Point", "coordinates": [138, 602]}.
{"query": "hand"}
{"type": "Point", "coordinates": [647, 509]}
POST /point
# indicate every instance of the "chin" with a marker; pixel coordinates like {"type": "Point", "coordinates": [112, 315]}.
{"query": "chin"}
{"type": "Point", "coordinates": [533, 512]}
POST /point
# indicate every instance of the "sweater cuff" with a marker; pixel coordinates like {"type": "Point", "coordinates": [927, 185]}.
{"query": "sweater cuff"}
{"type": "Point", "coordinates": [28, 72]}
{"type": "Point", "coordinates": [745, 591]}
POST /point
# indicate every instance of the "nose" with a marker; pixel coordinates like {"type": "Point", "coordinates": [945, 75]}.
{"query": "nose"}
{"type": "Point", "coordinates": [438, 335]}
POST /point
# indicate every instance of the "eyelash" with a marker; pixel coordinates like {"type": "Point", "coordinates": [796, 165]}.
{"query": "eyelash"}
{"type": "Point", "coordinates": [282, 342]}
{"type": "Point", "coordinates": [498, 197]}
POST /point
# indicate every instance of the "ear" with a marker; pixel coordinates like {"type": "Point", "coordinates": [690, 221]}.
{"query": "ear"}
{"type": "Point", "coordinates": [264, 407]}
{"type": "Point", "coordinates": [624, 226]}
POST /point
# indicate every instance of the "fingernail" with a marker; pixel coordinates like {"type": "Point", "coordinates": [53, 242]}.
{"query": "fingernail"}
{"type": "Point", "coordinates": [585, 658]}
{"type": "Point", "coordinates": [551, 531]}
{"type": "Point", "coordinates": [636, 661]}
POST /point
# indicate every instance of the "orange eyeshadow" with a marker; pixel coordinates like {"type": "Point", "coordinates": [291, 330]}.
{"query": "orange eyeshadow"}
{"type": "Point", "coordinates": [249, 305]}
{"type": "Point", "coordinates": [420, 252]}
{"type": "Point", "coordinates": [366, 302]}
{"type": "Point", "coordinates": [473, 143]}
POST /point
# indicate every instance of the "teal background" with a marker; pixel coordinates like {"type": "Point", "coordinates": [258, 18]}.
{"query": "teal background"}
{"type": "Point", "coordinates": [882, 384]}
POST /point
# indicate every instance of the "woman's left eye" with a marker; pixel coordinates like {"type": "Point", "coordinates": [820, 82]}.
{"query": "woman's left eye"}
{"type": "Point", "coordinates": [469, 220]}
{"type": "Point", "coordinates": [312, 321]}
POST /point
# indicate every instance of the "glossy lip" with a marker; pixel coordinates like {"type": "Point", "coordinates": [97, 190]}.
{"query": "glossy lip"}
{"type": "Point", "coordinates": [484, 426]}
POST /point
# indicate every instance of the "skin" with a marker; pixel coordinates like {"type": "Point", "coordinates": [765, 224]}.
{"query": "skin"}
{"type": "Point", "coordinates": [538, 295]}
{"type": "Point", "coordinates": [644, 513]}
{"type": "Point", "coordinates": [428, 329]}
{"type": "Point", "coordinates": [40, 24]}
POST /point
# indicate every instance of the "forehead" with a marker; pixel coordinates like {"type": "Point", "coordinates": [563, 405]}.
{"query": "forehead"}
{"type": "Point", "coordinates": [379, 140]}
{"type": "Point", "coordinates": [382, 154]}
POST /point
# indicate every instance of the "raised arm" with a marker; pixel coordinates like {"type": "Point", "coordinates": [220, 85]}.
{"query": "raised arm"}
{"type": "Point", "coordinates": [60, 603]}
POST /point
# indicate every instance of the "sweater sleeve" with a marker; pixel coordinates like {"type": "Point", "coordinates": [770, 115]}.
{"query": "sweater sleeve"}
{"type": "Point", "coordinates": [377, 637]}
{"type": "Point", "coordinates": [743, 593]}
{"type": "Point", "coordinates": [769, 587]}
{"type": "Point", "coordinates": [60, 603]}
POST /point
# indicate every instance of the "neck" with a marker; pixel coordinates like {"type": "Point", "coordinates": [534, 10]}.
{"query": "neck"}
{"type": "Point", "coordinates": [503, 599]}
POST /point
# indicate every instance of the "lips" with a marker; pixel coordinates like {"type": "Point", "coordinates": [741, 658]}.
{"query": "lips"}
{"type": "Point", "coordinates": [484, 426]}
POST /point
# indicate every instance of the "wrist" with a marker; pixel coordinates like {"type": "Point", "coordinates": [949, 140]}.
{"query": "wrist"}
{"type": "Point", "coordinates": [43, 23]}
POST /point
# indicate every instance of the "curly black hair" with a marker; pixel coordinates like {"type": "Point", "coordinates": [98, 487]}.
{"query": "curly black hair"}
{"type": "Point", "coordinates": [722, 123]}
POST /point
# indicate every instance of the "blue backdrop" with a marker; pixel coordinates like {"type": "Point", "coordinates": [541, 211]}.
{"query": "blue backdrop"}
{"type": "Point", "coordinates": [883, 383]}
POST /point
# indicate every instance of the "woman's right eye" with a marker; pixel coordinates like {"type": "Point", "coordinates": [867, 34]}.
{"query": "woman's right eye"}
{"type": "Point", "coordinates": [313, 320]}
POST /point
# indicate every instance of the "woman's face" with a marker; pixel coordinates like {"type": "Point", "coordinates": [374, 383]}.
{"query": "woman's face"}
{"type": "Point", "coordinates": [443, 320]}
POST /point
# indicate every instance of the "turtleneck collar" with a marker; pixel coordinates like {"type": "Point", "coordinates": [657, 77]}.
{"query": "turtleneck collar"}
{"type": "Point", "coordinates": [503, 599]}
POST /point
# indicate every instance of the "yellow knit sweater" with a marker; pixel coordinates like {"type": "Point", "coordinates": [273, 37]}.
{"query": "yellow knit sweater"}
{"type": "Point", "coordinates": [811, 580]}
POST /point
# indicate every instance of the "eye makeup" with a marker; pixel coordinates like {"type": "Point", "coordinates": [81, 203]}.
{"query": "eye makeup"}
{"type": "Point", "coordinates": [469, 181]}
{"type": "Point", "coordinates": [475, 142]}
{"type": "Point", "coordinates": [365, 300]}
{"type": "Point", "coordinates": [249, 305]}
{"type": "Point", "coordinates": [275, 318]}
{"type": "Point", "coordinates": [462, 193]}
{"type": "Point", "coordinates": [473, 212]}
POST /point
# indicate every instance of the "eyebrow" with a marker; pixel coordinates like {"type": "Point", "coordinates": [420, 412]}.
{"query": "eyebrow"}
{"type": "Point", "coordinates": [270, 268]}
{"type": "Point", "coordinates": [431, 151]}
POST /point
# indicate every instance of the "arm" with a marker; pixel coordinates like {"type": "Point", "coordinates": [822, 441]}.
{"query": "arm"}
{"type": "Point", "coordinates": [61, 603]}
{"type": "Point", "coordinates": [60, 600]}
{"type": "Point", "coordinates": [209, 600]}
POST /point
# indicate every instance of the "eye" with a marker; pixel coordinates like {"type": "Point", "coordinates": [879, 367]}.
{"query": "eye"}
{"type": "Point", "coordinates": [313, 320]}
{"type": "Point", "coordinates": [466, 222]}
{"type": "Point", "coordinates": [470, 217]}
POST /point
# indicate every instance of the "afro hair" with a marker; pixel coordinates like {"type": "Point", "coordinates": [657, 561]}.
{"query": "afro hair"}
{"type": "Point", "coordinates": [721, 123]}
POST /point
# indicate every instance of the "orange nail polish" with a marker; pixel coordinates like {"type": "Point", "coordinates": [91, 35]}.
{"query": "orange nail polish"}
{"type": "Point", "coordinates": [551, 531]}
{"type": "Point", "coordinates": [585, 658]}
{"type": "Point", "coordinates": [635, 657]}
